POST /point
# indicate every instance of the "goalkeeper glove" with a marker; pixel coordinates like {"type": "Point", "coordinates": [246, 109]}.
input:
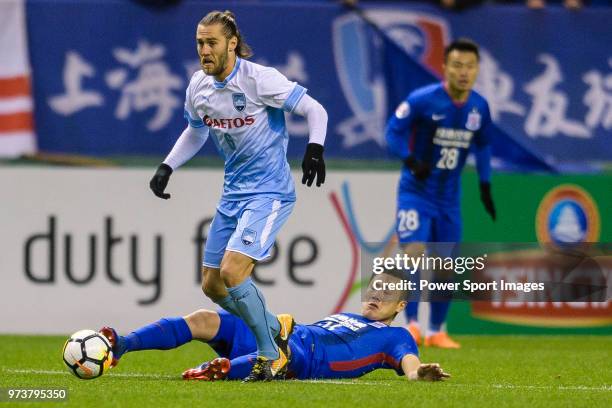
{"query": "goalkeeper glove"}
{"type": "Point", "coordinates": [313, 164]}
{"type": "Point", "coordinates": [160, 180]}
{"type": "Point", "coordinates": [487, 200]}
{"type": "Point", "coordinates": [419, 169]}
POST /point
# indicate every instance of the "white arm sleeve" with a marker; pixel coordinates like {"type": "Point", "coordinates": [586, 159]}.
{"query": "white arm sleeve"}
{"type": "Point", "coordinates": [188, 144]}
{"type": "Point", "coordinates": [316, 116]}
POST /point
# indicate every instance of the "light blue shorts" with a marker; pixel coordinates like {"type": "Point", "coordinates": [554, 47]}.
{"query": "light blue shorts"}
{"type": "Point", "coordinates": [248, 227]}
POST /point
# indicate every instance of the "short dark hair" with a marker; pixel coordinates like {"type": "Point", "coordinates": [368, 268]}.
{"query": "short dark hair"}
{"type": "Point", "coordinates": [227, 19]}
{"type": "Point", "coordinates": [464, 45]}
{"type": "Point", "coordinates": [397, 274]}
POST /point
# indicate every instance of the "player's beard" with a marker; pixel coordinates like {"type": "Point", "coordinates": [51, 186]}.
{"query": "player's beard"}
{"type": "Point", "coordinates": [218, 66]}
{"type": "Point", "coordinates": [222, 63]}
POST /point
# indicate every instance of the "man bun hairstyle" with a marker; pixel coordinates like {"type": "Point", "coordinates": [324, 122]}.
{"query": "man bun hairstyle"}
{"type": "Point", "coordinates": [227, 19]}
{"type": "Point", "coordinates": [464, 45]}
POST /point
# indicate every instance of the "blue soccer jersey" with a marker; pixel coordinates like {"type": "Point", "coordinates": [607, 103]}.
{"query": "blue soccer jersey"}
{"type": "Point", "coordinates": [244, 115]}
{"type": "Point", "coordinates": [348, 345]}
{"type": "Point", "coordinates": [433, 128]}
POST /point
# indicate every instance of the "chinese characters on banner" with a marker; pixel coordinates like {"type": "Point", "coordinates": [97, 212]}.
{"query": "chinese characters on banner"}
{"type": "Point", "coordinates": [547, 115]}
{"type": "Point", "coordinates": [146, 81]}
{"type": "Point", "coordinates": [123, 92]}
{"type": "Point", "coordinates": [153, 85]}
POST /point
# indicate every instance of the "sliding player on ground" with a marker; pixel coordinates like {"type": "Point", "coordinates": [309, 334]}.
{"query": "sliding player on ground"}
{"type": "Point", "coordinates": [432, 132]}
{"type": "Point", "coordinates": [343, 345]}
{"type": "Point", "coordinates": [241, 106]}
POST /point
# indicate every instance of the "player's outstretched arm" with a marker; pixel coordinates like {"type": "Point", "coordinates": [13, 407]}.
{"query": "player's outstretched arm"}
{"type": "Point", "coordinates": [313, 163]}
{"type": "Point", "coordinates": [414, 370]}
{"type": "Point", "coordinates": [188, 144]}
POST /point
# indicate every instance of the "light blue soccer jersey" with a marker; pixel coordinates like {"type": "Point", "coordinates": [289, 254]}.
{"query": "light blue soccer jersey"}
{"type": "Point", "coordinates": [245, 117]}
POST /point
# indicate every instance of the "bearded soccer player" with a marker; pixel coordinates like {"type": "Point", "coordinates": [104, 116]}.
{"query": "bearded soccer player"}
{"type": "Point", "coordinates": [432, 132]}
{"type": "Point", "coordinates": [241, 106]}
{"type": "Point", "coordinates": [343, 345]}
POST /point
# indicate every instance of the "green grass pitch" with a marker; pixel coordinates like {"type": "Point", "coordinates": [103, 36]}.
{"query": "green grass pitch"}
{"type": "Point", "coordinates": [489, 371]}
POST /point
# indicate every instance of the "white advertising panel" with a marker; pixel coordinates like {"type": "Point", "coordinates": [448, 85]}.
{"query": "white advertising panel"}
{"type": "Point", "coordinates": [81, 248]}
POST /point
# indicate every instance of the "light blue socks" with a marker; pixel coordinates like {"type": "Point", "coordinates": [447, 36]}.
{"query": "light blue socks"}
{"type": "Point", "coordinates": [251, 306]}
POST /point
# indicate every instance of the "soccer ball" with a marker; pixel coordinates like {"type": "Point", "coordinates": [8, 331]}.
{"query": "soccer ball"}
{"type": "Point", "coordinates": [87, 354]}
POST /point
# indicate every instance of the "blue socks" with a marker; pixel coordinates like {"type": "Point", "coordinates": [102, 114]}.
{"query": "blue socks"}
{"type": "Point", "coordinates": [164, 334]}
{"type": "Point", "coordinates": [438, 312]}
{"type": "Point", "coordinates": [241, 366]}
{"type": "Point", "coordinates": [439, 307]}
{"type": "Point", "coordinates": [412, 311]}
{"type": "Point", "coordinates": [252, 308]}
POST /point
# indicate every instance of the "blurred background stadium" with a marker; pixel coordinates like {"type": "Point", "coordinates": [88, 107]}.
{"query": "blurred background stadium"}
{"type": "Point", "coordinates": [91, 100]}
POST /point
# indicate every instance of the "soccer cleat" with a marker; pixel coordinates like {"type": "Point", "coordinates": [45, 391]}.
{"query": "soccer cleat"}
{"type": "Point", "coordinates": [441, 340]}
{"type": "Point", "coordinates": [415, 332]}
{"type": "Point", "coordinates": [214, 370]}
{"type": "Point", "coordinates": [261, 371]}
{"type": "Point", "coordinates": [115, 342]}
{"type": "Point", "coordinates": [279, 366]}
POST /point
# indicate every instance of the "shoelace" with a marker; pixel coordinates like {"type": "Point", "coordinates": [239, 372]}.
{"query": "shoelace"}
{"type": "Point", "coordinates": [258, 368]}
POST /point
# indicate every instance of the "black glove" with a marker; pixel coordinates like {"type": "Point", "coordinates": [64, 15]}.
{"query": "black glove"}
{"type": "Point", "coordinates": [313, 164]}
{"type": "Point", "coordinates": [419, 169]}
{"type": "Point", "coordinates": [160, 180]}
{"type": "Point", "coordinates": [487, 200]}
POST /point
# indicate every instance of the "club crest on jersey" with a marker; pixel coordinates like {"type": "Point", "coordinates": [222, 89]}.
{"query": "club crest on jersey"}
{"type": "Point", "coordinates": [248, 236]}
{"type": "Point", "coordinates": [473, 121]}
{"type": "Point", "coordinates": [239, 101]}
{"type": "Point", "coordinates": [403, 110]}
